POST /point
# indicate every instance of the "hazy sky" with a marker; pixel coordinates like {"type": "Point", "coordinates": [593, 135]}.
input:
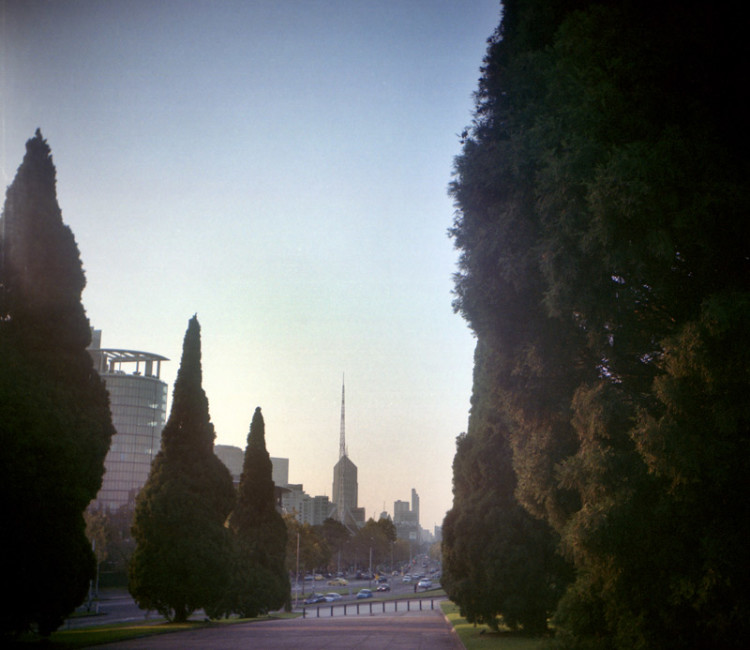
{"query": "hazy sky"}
{"type": "Point", "coordinates": [280, 168]}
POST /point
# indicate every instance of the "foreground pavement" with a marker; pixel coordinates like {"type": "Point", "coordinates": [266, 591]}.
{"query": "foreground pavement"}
{"type": "Point", "coordinates": [427, 630]}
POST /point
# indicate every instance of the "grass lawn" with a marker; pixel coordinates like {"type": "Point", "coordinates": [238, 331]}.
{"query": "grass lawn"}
{"type": "Point", "coordinates": [475, 637]}
{"type": "Point", "coordinates": [91, 636]}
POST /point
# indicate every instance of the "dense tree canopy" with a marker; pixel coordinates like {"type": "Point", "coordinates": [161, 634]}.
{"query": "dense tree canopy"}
{"type": "Point", "coordinates": [182, 558]}
{"type": "Point", "coordinates": [602, 197]}
{"type": "Point", "coordinates": [498, 560]}
{"type": "Point", "coordinates": [260, 581]}
{"type": "Point", "coordinates": [55, 423]}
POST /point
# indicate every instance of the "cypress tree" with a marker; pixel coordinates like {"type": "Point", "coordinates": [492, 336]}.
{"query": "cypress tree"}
{"type": "Point", "coordinates": [181, 560]}
{"type": "Point", "coordinates": [260, 580]}
{"type": "Point", "coordinates": [498, 560]}
{"type": "Point", "coordinates": [602, 198]}
{"type": "Point", "coordinates": [55, 424]}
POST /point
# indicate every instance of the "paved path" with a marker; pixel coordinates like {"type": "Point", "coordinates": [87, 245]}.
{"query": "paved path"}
{"type": "Point", "coordinates": [427, 630]}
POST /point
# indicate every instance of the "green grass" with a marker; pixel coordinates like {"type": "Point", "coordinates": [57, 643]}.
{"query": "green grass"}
{"type": "Point", "coordinates": [476, 637]}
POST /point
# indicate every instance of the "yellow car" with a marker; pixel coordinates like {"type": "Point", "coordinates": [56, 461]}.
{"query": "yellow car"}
{"type": "Point", "coordinates": [338, 582]}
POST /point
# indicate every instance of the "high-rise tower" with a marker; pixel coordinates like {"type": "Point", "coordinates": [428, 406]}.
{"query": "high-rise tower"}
{"type": "Point", "coordinates": [345, 480]}
{"type": "Point", "coordinates": [138, 401]}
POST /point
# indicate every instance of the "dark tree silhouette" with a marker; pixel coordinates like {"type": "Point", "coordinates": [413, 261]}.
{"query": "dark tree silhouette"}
{"type": "Point", "coordinates": [182, 556]}
{"type": "Point", "coordinates": [55, 424]}
{"type": "Point", "coordinates": [498, 560]}
{"type": "Point", "coordinates": [260, 581]}
{"type": "Point", "coordinates": [602, 197]}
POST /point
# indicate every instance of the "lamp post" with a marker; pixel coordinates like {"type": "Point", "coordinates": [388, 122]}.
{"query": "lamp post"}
{"type": "Point", "coordinates": [296, 591]}
{"type": "Point", "coordinates": [369, 571]}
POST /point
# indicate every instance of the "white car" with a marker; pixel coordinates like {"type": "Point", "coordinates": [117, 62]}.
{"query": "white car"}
{"type": "Point", "coordinates": [332, 597]}
{"type": "Point", "coordinates": [424, 584]}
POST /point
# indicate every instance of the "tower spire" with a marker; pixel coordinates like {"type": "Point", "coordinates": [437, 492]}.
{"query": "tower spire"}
{"type": "Point", "coordinates": [342, 438]}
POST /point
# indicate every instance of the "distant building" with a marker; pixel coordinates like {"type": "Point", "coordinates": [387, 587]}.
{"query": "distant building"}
{"type": "Point", "coordinates": [345, 486]}
{"type": "Point", "coordinates": [138, 402]}
{"type": "Point", "coordinates": [306, 509]}
{"type": "Point", "coordinates": [406, 519]}
{"type": "Point", "coordinates": [280, 471]}
{"type": "Point", "coordinates": [233, 457]}
{"type": "Point", "coordinates": [401, 512]}
{"type": "Point", "coordinates": [295, 501]}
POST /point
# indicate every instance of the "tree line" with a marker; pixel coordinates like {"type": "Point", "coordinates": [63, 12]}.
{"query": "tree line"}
{"type": "Point", "coordinates": [601, 204]}
{"type": "Point", "coordinates": [199, 544]}
{"type": "Point", "coordinates": [191, 540]}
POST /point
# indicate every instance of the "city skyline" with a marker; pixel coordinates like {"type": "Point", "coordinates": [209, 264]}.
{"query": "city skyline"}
{"type": "Point", "coordinates": [282, 170]}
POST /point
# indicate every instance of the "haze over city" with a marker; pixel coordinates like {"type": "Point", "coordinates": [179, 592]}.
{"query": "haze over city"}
{"type": "Point", "coordinates": [280, 169]}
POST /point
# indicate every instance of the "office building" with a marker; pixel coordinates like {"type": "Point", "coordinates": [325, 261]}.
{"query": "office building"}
{"type": "Point", "coordinates": [138, 402]}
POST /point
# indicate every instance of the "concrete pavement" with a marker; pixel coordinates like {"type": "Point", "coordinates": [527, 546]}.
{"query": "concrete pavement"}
{"type": "Point", "coordinates": [426, 630]}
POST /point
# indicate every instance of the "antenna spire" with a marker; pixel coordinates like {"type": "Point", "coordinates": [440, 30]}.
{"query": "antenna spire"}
{"type": "Point", "coordinates": [342, 438]}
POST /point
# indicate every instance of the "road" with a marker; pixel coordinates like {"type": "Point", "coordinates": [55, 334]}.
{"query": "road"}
{"type": "Point", "coordinates": [406, 631]}
{"type": "Point", "coordinates": [117, 606]}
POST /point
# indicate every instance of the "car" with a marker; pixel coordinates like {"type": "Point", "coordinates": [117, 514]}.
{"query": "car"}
{"type": "Point", "coordinates": [382, 579]}
{"type": "Point", "coordinates": [406, 578]}
{"type": "Point", "coordinates": [332, 597]}
{"type": "Point", "coordinates": [425, 583]}
{"type": "Point", "coordinates": [312, 599]}
{"type": "Point", "coordinates": [338, 582]}
{"type": "Point", "coordinates": [383, 587]}
{"type": "Point", "coordinates": [364, 593]}
{"type": "Point", "coordinates": [318, 577]}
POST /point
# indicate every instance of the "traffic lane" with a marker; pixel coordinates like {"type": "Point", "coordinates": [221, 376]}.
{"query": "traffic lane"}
{"type": "Point", "coordinates": [349, 593]}
{"type": "Point", "coordinates": [408, 631]}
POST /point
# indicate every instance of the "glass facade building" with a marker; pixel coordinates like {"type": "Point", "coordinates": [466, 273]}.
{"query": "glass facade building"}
{"type": "Point", "coordinates": [138, 401]}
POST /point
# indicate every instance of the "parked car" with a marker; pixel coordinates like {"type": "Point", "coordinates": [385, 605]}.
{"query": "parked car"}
{"type": "Point", "coordinates": [338, 582]}
{"type": "Point", "coordinates": [383, 587]}
{"type": "Point", "coordinates": [425, 583]}
{"type": "Point", "coordinates": [332, 597]}
{"type": "Point", "coordinates": [406, 578]}
{"type": "Point", "coordinates": [382, 579]}
{"type": "Point", "coordinates": [364, 593]}
{"type": "Point", "coordinates": [312, 599]}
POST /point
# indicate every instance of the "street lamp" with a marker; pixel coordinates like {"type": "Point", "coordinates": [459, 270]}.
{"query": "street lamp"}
{"type": "Point", "coordinates": [296, 581]}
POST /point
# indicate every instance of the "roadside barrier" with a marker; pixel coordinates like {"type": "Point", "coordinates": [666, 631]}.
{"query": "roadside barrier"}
{"type": "Point", "coordinates": [370, 608]}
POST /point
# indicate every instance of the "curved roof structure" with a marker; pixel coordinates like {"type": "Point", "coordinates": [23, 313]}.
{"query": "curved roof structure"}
{"type": "Point", "coordinates": [111, 360]}
{"type": "Point", "coordinates": [129, 356]}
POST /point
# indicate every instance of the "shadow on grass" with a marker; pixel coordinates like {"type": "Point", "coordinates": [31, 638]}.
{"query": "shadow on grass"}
{"type": "Point", "coordinates": [474, 636]}
{"type": "Point", "coordinates": [101, 634]}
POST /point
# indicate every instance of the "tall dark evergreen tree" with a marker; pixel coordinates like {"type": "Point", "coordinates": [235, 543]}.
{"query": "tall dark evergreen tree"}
{"type": "Point", "coordinates": [260, 581]}
{"type": "Point", "coordinates": [499, 562]}
{"type": "Point", "coordinates": [55, 424]}
{"type": "Point", "coordinates": [602, 199]}
{"type": "Point", "coordinates": [182, 558]}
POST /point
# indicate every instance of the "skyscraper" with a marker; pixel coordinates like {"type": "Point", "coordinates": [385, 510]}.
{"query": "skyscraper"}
{"type": "Point", "coordinates": [345, 484]}
{"type": "Point", "coordinates": [138, 401]}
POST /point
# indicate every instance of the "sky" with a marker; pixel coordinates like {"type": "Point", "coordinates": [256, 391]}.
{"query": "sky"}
{"type": "Point", "coordinates": [280, 168]}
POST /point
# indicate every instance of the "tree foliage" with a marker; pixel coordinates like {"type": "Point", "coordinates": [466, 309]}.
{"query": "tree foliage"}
{"type": "Point", "coordinates": [376, 537]}
{"type": "Point", "coordinates": [602, 197]}
{"type": "Point", "coordinates": [305, 548]}
{"type": "Point", "coordinates": [260, 581]}
{"type": "Point", "coordinates": [55, 423]}
{"type": "Point", "coordinates": [181, 561]}
{"type": "Point", "coordinates": [498, 560]}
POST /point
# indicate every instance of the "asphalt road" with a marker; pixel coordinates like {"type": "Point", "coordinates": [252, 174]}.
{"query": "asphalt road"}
{"type": "Point", "coordinates": [406, 631]}
{"type": "Point", "coordinates": [117, 606]}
